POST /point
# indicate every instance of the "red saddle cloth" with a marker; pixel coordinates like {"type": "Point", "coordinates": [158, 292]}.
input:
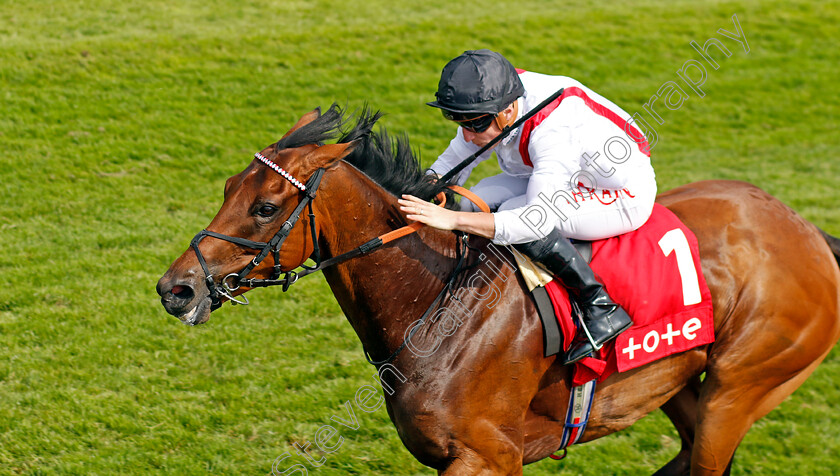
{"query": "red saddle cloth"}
{"type": "Point", "coordinates": [654, 273]}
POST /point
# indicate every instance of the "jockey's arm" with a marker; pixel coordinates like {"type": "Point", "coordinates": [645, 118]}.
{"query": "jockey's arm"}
{"type": "Point", "coordinates": [476, 223]}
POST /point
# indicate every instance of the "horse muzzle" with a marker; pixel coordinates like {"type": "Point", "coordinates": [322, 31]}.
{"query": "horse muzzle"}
{"type": "Point", "coordinates": [185, 298]}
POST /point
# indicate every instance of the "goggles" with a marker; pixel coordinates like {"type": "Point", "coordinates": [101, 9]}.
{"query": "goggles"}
{"type": "Point", "coordinates": [471, 122]}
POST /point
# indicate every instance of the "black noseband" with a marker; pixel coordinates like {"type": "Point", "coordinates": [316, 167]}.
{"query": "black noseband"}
{"type": "Point", "coordinates": [233, 281]}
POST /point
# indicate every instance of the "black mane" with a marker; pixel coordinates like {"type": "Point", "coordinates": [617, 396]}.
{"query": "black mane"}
{"type": "Point", "coordinates": [388, 161]}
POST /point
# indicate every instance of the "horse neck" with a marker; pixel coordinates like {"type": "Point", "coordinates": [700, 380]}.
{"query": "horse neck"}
{"type": "Point", "coordinates": [383, 292]}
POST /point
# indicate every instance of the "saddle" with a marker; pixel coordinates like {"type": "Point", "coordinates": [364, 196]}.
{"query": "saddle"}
{"type": "Point", "coordinates": [654, 273]}
{"type": "Point", "coordinates": [552, 338]}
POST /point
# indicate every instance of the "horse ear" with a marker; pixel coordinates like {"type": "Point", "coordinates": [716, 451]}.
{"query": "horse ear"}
{"type": "Point", "coordinates": [305, 119]}
{"type": "Point", "coordinates": [326, 155]}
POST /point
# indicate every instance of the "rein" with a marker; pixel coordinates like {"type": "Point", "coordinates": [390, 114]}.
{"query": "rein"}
{"type": "Point", "coordinates": [459, 268]}
{"type": "Point", "coordinates": [233, 281]}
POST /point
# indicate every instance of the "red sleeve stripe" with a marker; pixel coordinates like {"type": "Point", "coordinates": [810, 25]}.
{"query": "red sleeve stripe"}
{"type": "Point", "coordinates": [599, 109]}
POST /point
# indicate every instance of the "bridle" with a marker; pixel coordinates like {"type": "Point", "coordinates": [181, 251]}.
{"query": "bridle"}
{"type": "Point", "coordinates": [233, 281]}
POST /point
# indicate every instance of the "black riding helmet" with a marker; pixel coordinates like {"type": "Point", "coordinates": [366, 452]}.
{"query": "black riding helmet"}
{"type": "Point", "coordinates": [478, 81]}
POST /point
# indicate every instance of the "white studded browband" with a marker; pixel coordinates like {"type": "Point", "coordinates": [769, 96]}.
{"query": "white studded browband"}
{"type": "Point", "coordinates": [281, 171]}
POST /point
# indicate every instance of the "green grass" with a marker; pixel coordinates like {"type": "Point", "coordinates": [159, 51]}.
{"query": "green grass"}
{"type": "Point", "coordinates": [121, 120]}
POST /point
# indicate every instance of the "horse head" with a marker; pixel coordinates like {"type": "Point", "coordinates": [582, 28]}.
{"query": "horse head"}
{"type": "Point", "coordinates": [261, 205]}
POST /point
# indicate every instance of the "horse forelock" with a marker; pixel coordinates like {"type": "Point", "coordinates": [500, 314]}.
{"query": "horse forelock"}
{"type": "Point", "coordinates": [387, 160]}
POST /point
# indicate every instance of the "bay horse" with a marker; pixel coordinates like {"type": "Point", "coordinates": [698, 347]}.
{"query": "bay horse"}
{"type": "Point", "coordinates": [487, 401]}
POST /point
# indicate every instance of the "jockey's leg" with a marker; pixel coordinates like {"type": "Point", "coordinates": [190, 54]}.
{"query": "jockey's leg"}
{"type": "Point", "coordinates": [602, 319]}
{"type": "Point", "coordinates": [596, 214]}
{"type": "Point", "coordinates": [496, 190]}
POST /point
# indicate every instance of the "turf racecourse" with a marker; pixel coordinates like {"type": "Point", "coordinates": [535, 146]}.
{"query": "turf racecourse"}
{"type": "Point", "coordinates": [121, 120]}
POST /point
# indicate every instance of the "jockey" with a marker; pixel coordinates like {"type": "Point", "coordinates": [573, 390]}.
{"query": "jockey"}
{"type": "Point", "coordinates": [578, 169]}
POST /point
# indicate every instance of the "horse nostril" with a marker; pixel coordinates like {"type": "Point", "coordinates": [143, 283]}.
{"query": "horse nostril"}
{"type": "Point", "coordinates": [183, 292]}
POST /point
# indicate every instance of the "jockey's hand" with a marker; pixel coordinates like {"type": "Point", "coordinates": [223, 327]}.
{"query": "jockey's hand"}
{"type": "Point", "coordinates": [477, 223]}
{"type": "Point", "coordinates": [428, 213]}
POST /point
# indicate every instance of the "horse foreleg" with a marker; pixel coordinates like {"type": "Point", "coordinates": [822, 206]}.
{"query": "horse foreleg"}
{"type": "Point", "coordinates": [471, 464]}
{"type": "Point", "coordinates": [486, 451]}
{"type": "Point", "coordinates": [681, 409]}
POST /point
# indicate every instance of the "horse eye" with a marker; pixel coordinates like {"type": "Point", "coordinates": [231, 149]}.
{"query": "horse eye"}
{"type": "Point", "coordinates": [266, 211]}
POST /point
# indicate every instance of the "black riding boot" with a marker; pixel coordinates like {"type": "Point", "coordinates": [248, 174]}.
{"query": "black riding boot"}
{"type": "Point", "coordinates": [602, 319]}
